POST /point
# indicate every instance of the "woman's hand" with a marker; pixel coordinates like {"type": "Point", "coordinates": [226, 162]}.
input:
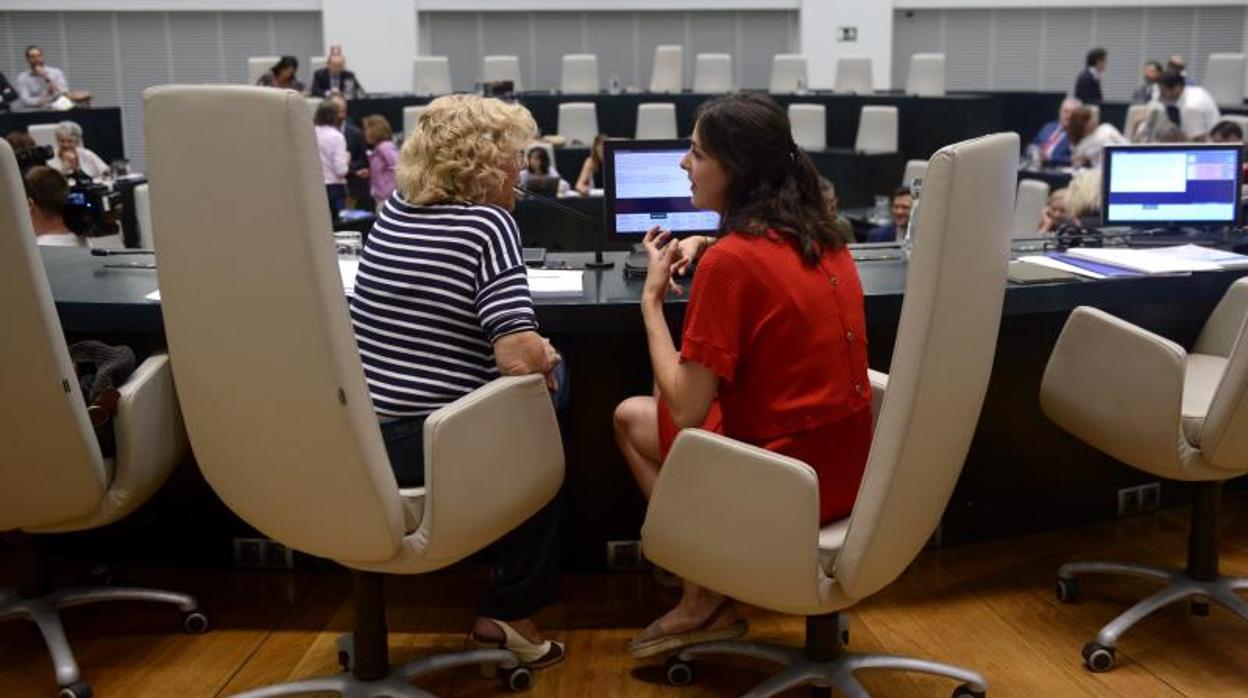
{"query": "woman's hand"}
{"type": "Point", "coordinates": [665, 255]}
{"type": "Point", "coordinates": [553, 359]}
{"type": "Point", "coordinates": [690, 248]}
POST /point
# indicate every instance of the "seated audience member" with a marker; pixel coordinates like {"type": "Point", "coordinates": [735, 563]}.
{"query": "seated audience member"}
{"type": "Point", "coordinates": [334, 158]}
{"type": "Point", "coordinates": [1198, 112]}
{"type": "Point", "coordinates": [1226, 132]}
{"type": "Point", "coordinates": [1055, 214]}
{"type": "Point", "coordinates": [357, 150]}
{"type": "Point", "coordinates": [1148, 91]}
{"type": "Point", "coordinates": [383, 157]}
{"type": "Point", "coordinates": [1154, 126]}
{"type": "Point", "coordinates": [895, 230]}
{"type": "Point", "coordinates": [844, 229]}
{"type": "Point", "coordinates": [1088, 138]}
{"type": "Point", "coordinates": [44, 87]}
{"type": "Point", "coordinates": [46, 192]}
{"type": "Point", "coordinates": [760, 300]}
{"type": "Point", "coordinates": [335, 80]}
{"type": "Point", "coordinates": [1052, 141]}
{"type": "Point", "coordinates": [1176, 64]}
{"type": "Point", "coordinates": [71, 156]}
{"type": "Point", "coordinates": [282, 75]}
{"type": "Point", "coordinates": [448, 249]}
{"type": "Point", "coordinates": [20, 140]}
{"type": "Point", "coordinates": [1088, 84]}
{"type": "Point", "coordinates": [1083, 207]}
{"type": "Point", "coordinates": [538, 164]}
{"type": "Point", "coordinates": [7, 93]}
{"type": "Point", "coordinates": [591, 170]}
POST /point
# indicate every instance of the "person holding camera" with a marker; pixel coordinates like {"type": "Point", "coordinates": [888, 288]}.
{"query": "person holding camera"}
{"type": "Point", "coordinates": [46, 194]}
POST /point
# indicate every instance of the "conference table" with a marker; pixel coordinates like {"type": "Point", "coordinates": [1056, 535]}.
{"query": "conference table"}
{"type": "Point", "coordinates": [101, 127]}
{"type": "Point", "coordinates": [1022, 473]}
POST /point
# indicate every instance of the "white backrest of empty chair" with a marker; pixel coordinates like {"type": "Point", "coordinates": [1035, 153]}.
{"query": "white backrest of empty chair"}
{"type": "Point", "coordinates": [927, 75]}
{"type": "Point", "coordinates": [788, 73]}
{"type": "Point", "coordinates": [656, 121]}
{"type": "Point", "coordinates": [1136, 115]}
{"type": "Point", "coordinates": [712, 73]}
{"type": "Point", "coordinates": [668, 74]}
{"type": "Point", "coordinates": [315, 63]}
{"type": "Point", "coordinates": [501, 68]}
{"type": "Point", "coordinates": [1029, 203]}
{"type": "Point", "coordinates": [877, 130]}
{"type": "Point", "coordinates": [853, 74]}
{"type": "Point", "coordinates": [143, 215]}
{"type": "Point", "coordinates": [915, 169]}
{"type": "Point", "coordinates": [580, 74]}
{"type": "Point", "coordinates": [809, 123]}
{"type": "Point", "coordinates": [431, 75]}
{"type": "Point", "coordinates": [258, 66]}
{"type": "Point", "coordinates": [410, 117]}
{"type": "Point", "coordinates": [578, 122]}
{"type": "Point", "coordinates": [43, 134]}
{"type": "Point", "coordinates": [1224, 78]}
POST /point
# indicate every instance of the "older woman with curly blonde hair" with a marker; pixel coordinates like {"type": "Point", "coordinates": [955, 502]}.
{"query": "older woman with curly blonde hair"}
{"type": "Point", "coordinates": [441, 307]}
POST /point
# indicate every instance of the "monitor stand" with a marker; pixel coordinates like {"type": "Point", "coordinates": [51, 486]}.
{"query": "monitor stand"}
{"type": "Point", "coordinates": [638, 262]}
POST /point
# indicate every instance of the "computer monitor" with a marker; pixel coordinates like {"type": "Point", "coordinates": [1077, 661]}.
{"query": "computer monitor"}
{"type": "Point", "coordinates": [1172, 185]}
{"type": "Point", "coordinates": [545, 185]}
{"type": "Point", "coordinates": [645, 186]}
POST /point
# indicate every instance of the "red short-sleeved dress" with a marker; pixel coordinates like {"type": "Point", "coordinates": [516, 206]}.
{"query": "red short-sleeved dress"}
{"type": "Point", "coordinates": [788, 342]}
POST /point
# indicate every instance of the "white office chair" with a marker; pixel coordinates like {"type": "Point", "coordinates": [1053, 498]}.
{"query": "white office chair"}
{"type": "Point", "coordinates": [853, 75]}
{"type": "Point", "coordinates": [411, 115]}
{"type": "Point", "coordinates": [656, 121]}
{"type": "Point", "coordinates": [431, 75]}
{"type": "Point", "coordinates": [314, 103]}
{"type": "Point", "coordinates": [877, 130]}
{"type": "Point", "coordinates": [315, 63]}
{"type": "Point", "coordinates": [668, 74]}
{"type": "Point", "coordinates": [809, 123]}
{"type": "Point", "coordinates": [915, 169]}
{"type": "Point", "coordinates": [788, 73]}
{"type": "Point", "coordinates": [257, 66]}
{"type": "Point", "coordinates": [1095, 109]}
{"type": "Point", "coordinates": [53, 476]}
{"type": "Point", "coordinates": [927, 75]}
{"type": "Point", "coordinates": [1033, 196]}
{"type": "Point", "coordinates": [143, 215]}
{"type": "Point", "coordinates": [1143, 400]}
{"type": "Point", "coordinates": [502, 68]}
{"type": "Point", "coordinates": [712, 73]}
{"type": "Point", "coordinates": [285, 432]}
{"type": "Point", "coordinates": [43, 134]}
{"type": "Point", "coordinates": [1224, 78]}
{"type": "Point", "coordinates": [744, 522]}
{"type": "Point", "coordinates": [580, 74]}
{"type": "Point", "coordinates": [578, 122]}
{"type": "Point", "coordinates": [1136, 115]}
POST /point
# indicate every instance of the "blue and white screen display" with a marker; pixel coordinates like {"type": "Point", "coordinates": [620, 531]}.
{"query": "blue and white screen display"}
{"type": "Point", "coordinates": [651, 189]}
{"type": "Point", "coordinates": [1172, 185]}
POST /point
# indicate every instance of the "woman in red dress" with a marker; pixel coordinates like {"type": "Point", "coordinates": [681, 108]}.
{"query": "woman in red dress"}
{"type": "Point", "coordinates": [774, 347]}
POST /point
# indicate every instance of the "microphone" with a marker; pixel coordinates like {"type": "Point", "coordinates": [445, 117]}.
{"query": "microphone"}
{"type": "Point", "coordinates": [97, 252]}
{"type": "Point", "coordinates": [598, 262]}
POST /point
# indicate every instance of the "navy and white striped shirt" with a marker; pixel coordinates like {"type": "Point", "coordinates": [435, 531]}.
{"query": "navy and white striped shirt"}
{"type": "Point", "coordinates": [437, 286]}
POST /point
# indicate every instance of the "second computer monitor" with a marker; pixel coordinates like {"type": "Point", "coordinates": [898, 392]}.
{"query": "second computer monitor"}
{"type": "Point", "coordinates": [645, 187]}
{"type": "Point", "coordinates": [1184, 184]}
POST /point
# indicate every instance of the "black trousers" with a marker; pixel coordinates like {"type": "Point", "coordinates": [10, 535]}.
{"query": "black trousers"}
{"type": "Point", "coordinates": [524, 563]}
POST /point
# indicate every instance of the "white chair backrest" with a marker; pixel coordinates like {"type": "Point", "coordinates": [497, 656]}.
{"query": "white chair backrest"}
{"type": "Point", "coordinates": [143, 214]}
{"type": "Point", "coordinates": [1029, 203]}
{"type": "Point", "coordinates": [272, 390]}
{"type": "Point", "coordinates": [1224, 78]}
{"type": "Point", "coordinates": [1136, 114]}
{"type": "Point", "coordinates": [258, 66]}
{"type": "Point", "coordinates": [942, 358]}
{"type": "Point", "coordinates": [410, 116]}
{"type": "Point", "coordinates": [43, 134]}
{"type": "Point", "coordinates": [501, 68]}
{"type": "Point", "coordinates": [431, 75]}
{"type": "Point", "coordinates": [877, 130]}
{"type": "Point", "coordinates": [809, 123]}
{"type": "Point", "coordinates": [580, 74]}
{"type": "Point", "coordinates": [51, 469]}
{"type": "Point", "coordinates": [1095, 109]}
{"type": "Point", "coordinates": [712, 73]}
{"type": "Point", "coordinates": [915, 169]}
{"type": "Point", "coordinates": [314, 103]}
{"type": "Point", "coordinates": [788, 73]}
{"type": "Point", "coordinates": [315, 63]}
{"type": "Point", "coordinates": [927, 75]}
{"type": "Point", "coordinates": [578, 122]}
{"type": "Point", "coordinates": [668, 74]}
{"type": "Point", "coordinates": [853, 74]}
{"type": "Point", "coordinates": [656, 121]}
{"type": "Point", "coordinates": [1224, 434]}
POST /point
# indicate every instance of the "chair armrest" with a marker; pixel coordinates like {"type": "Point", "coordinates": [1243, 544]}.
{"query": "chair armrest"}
{"type": "Point", "coordinates": [879, 386]}
{"type": "Point", "coordinates": [1221, 330]}
{"type": "Point", "coordinates": [1117, 387]}
{"type": "Point", "coordinates": [740, 520]}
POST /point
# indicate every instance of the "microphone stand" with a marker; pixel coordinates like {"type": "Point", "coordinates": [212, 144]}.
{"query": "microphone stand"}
{"type": "Point", "coordinates": [598, 262]}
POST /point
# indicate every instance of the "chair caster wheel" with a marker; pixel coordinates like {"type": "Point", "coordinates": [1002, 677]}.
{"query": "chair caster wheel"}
{"type": "Point", "coordinates": [517, 680]}
{"type": "Point", "coordinates": [1067, 590]}
{"type": "Point", "coordinates": [965, 691]}
{"type": "Point", "coordinates": [346, 648]}
{"type": "Point", "coordinates": [843, 624]}
{"type": "Point", "coordinates": [78, 689]}
{"type": "Point", "coordinates": [1199, 608]}
{"type": "Point", "coordinates": [195, 623]}
{"type": "Point", "coordinates": [679, 673]}
{"type": "Point", "coordinates": [1098, 657]}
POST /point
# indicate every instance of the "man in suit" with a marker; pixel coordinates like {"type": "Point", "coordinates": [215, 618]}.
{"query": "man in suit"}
{"type": "Point", "coordinates": [1052, 142]}
{"type": "Point", "coordinates": [1088, 84]}
{"type": "Point", "coordinates": [335, 80]}
{"type": "Point", "coordinates": [895, 230]}
{"type": "Point", "coordinates": [357, 150]}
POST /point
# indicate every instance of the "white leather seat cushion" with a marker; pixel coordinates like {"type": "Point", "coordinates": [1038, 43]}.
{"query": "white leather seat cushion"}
{"type": "Point", "coordinates": [1201, 376]}
{"type": "Point", "coordinates": [831, 538]}
{"type": "Point", "coordinates": [413, 500]}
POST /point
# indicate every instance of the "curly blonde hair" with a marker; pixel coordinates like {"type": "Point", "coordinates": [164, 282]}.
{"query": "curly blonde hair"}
{"type": "Point", "coordinates": [461, 149]}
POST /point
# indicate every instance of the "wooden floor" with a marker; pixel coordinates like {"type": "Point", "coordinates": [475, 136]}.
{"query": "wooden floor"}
{"type": "Point", "coordinates": [985, 606]}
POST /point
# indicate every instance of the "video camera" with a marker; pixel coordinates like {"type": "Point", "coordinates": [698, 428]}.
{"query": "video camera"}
{"type": "Point", "coordinates": [92, 210]}
{"type": "Point", "coordinates": [31, 157]}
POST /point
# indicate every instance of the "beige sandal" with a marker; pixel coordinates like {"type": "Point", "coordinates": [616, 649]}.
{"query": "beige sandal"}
{"type": "Point", "coordinates": [534, 655]}
{"type": "Point", "coordinates": [702, 633]}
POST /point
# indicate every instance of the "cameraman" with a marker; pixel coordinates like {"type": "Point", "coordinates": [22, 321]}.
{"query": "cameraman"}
{"type": "Point", "coordinates": [46, 193]}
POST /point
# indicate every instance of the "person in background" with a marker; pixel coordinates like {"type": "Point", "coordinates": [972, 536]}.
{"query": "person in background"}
{"type": "Point", "coordinates": [43, 87]}
{"type": "Point", "coordinates": [1052, 143]}
{"type": "Point", "coordinates": [1083, 199]}
{"type": "Point", "coordinates": [335, 80]}
{"type": "Point", "coordinates": [334, 158]}
{"type": "Point", "coordinates": [591, 170]}
{"type": "Point", "coordinates": [1088, 138]}
{"type": "Point", "coordinates": [20, 140]}
{"type": "Point", "coordinates": [537, 164]}
{"type": "Point", "coordinates": [844, 229]}
{"type": "Point", "coordinates": [1055, 214]}
{"type": "Point", "coordinates": [357, 148]}
{"type": "Point", "coordinates": [1226, 132]}
{"type": "Point", "coordinates": [282, 75]}
{"type": "Point", "coordinates": [900, 204]}
{"type": "Point", "coordinates": [1176, 64]}
{"type": "Point", "coordinates": [1088, 84]}
{"type": "Point", "coordinates": [383, 157]}
{"type": "Point", "coordinates": [46, 192]}
{"type": "Point", "coordinates": [1148, 92]}
{"type": "Point", "coordinates": [71, 156]}
{"type": "Point", "coordinates": [1198, 112]}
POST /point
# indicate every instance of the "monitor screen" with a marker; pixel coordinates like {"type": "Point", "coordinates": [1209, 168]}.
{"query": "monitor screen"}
{"type": "Point", "coordinates": [1184, 184]}
{"type": "Point", "coordinates": [645, 186]}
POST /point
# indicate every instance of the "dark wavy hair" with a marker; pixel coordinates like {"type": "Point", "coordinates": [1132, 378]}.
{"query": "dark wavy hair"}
{"type": "Point", "coordinates": [772, 183]}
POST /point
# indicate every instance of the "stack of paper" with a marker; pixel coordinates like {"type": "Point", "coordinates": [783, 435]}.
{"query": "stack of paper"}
{"type": "Point", "coordinates": [1146, 261]}
{"type": "Point", "coordinates": [347, 269]}
{"type": "Point", "coordinates": [556, 283]}
{"type": "Point", "coordinates": [1196, 253]}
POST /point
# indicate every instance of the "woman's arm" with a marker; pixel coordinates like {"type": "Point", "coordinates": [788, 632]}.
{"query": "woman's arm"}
{"type": "Point", "coordinates": [586, 180]}
{"type": "Point", "coordinates": [523, 353]}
